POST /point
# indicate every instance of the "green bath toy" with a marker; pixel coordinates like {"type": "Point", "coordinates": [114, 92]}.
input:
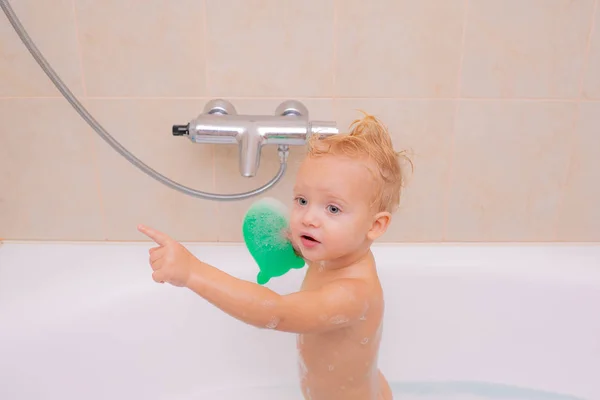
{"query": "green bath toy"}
{"type": "Point", "coordinates": [264, 229]}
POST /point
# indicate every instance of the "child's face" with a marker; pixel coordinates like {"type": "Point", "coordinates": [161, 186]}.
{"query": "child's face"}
{"type": "Point", "coordinates": [332, 214]}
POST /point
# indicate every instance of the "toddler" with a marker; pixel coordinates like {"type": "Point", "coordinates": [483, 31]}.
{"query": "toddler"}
{"type": "Point", "coordinates": [346, 190]}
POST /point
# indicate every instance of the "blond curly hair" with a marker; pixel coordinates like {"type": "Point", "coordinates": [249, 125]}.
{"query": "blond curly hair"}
{"type": "Point", "coordinates": [369, 141]}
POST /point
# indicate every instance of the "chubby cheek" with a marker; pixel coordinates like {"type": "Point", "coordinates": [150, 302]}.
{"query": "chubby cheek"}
{"type": "Point", "coordinates": [294, 220]}
{"type": "Point", "coordinates": [333, 237]}
{"type": "Point", "coordinates": [339, 238]}
{"type": "Point", "coordinates": [346, 235]}
{"type": "Point", "coordinates": [295, 225]}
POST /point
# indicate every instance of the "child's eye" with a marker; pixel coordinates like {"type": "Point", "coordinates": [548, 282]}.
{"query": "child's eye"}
{"type": "Point", "coordinates": [302, 201]}
{"type": "Point", "coordinates": [333, 209]}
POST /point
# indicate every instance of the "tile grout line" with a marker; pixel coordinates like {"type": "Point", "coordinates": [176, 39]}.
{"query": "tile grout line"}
{"type": "Point", "coordinates": [576, 122]}
{"type": "Point", "coordinates": [450, 179]}
{"type": "Point", "coordinates": [433, 99]}
{"type": "Point", "coordinates": [214, 180]}
{"type": "Point", "coordinates": [588, 49]}
{"type": "Point", "coordinates": [334, 50]}
{"type": "Point", "coordinates": [565, 184]}
{"type": "Point", "coordinates": [31, 97]}
{"type": "Point", "coordinates": [205, 44]}
{"type": "Point", "coordinates": [99, 191]}
{"type": "Point", "coordinates": [334, 97]}
{"type": "Point", "coordinates": [79, 48]}
{"type": "Point", "coordinates": [217, 208]}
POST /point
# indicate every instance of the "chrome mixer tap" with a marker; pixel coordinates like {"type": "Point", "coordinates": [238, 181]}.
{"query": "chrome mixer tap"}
{"type": "Point", "coordinates": [220, 123]}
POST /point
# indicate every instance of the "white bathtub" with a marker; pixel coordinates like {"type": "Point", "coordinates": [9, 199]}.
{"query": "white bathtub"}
{"type": "Point", "coordinates": [86, 321]}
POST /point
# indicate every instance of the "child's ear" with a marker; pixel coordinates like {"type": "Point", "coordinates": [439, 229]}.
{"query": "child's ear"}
{"type": "Point", "coordinates": [381, 222]}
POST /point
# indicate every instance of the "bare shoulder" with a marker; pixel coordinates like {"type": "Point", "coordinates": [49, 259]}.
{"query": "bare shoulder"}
{"type": "Point", "coordinates": [347, 290]}
{"type": "Point", "coordinates": [365, 290]}
{"type": "Point", "coordinates": [365, 277]}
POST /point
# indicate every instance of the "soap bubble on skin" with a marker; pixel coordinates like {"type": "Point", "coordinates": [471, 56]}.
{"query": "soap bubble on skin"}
{"type": "Point", "coordinates": [302, 367]}
{"type": "Point", "coordinates": [321, 266]}
{"type": "Point", "coordinates": [364, 316]}
{"type": "Point", "coordinates": [308, 394]}
{"type": "Point", "coordinates": [269, 303]}
{"type": "Point", "coordinates": [330, 368]}
{"type": "Point", "coordinates": [364, 340]}
{"type": "Point", "coordinates": [379, 330]}
{"type": "Point", "coordinates": [338, 319]}
{"type": "Point", "coordinates": [273, 322]}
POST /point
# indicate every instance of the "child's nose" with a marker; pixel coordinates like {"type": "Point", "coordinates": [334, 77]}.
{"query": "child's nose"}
{"type": "Point", "coordinates": [310, 218]}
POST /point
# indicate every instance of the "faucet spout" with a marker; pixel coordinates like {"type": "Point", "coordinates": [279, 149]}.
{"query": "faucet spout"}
{"type": "Point", "coordinates": [250, 150]}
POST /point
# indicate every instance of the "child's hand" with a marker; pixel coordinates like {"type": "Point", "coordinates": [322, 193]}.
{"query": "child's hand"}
{"type": "Point", "coordinates": [170, 261]}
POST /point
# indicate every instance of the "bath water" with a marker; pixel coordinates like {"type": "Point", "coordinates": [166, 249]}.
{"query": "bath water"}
{"type": "Point", "coordinates": [471, 391]}
{"type": "Point", "coordinates": [405, 391]}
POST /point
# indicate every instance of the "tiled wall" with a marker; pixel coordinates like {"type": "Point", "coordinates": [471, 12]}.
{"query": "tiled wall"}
{"type": "Point", "coordinates": [498, 100]}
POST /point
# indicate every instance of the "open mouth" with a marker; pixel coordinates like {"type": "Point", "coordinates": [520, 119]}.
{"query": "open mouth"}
{"type": "Point", "coordinates": [309, 238]}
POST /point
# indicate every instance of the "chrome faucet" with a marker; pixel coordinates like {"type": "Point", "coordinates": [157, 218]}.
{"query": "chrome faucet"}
{"type": "Point", "coordinates": [220, 123]}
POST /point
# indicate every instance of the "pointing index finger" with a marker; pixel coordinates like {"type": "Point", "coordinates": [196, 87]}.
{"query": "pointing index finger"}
{"type": "Point", "coordinates": [153, 234]}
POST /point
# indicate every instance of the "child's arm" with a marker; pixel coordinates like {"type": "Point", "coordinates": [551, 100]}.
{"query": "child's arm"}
{"type": "Point", "coordinates": [333, 306]}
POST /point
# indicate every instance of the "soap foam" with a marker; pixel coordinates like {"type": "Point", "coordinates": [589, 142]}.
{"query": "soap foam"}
{"type": "Point", "coordinates": [273, 204]}
{"type": "Point", "coordinates": [264, 229]}
{"type": "Point", "coordinates": [271, 214]}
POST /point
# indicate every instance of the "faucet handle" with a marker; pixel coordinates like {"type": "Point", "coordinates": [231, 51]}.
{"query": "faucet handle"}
{"type": "Point", "coordinates": [219, 106]}
{"type": "Point", "coordinates": [292, 107]}
{"type": "Point", "coordinates": [181, 130]}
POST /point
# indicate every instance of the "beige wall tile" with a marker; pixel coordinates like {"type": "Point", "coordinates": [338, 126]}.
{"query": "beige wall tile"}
{"type": "Point", "coordinates": [229, 179]}
{"type": "Point", "coordinates": [591, 88]}
{"type": "Point", "coordinates": [525, 49]}
{"type": "Point", "coordinates": [580, 211]}
{"type": "Point", "coordinates": [392, 58]}
{"type": "Point", "coordinates": [391, 48]}
{"type": "Point", "coordinates": [510, 165]}
{"type": "Point", "coordinates": [270, 48]}
{"type": "Point", "coordinates": [424, 129]}
{"type": "Point", "coordinates": [48, 188]}
{"type": "Point", "coordinates": [51, 25]}
{"type": "Point", "coordinates": [130, 196]}
{"type": "Point", "coordinates": [142, 47]}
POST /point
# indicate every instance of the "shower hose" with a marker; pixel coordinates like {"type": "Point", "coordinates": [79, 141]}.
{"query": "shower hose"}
{"type": "Point", "coordinates": [283, 150]}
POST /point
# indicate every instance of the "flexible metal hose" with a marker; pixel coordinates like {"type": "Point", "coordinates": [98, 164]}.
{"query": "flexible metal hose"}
{"type": "Point", "coordinates": [283, 150]}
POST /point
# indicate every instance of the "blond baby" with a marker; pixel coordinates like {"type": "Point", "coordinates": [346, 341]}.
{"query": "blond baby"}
{"type": "Point", "coordinates": [346, 190]}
